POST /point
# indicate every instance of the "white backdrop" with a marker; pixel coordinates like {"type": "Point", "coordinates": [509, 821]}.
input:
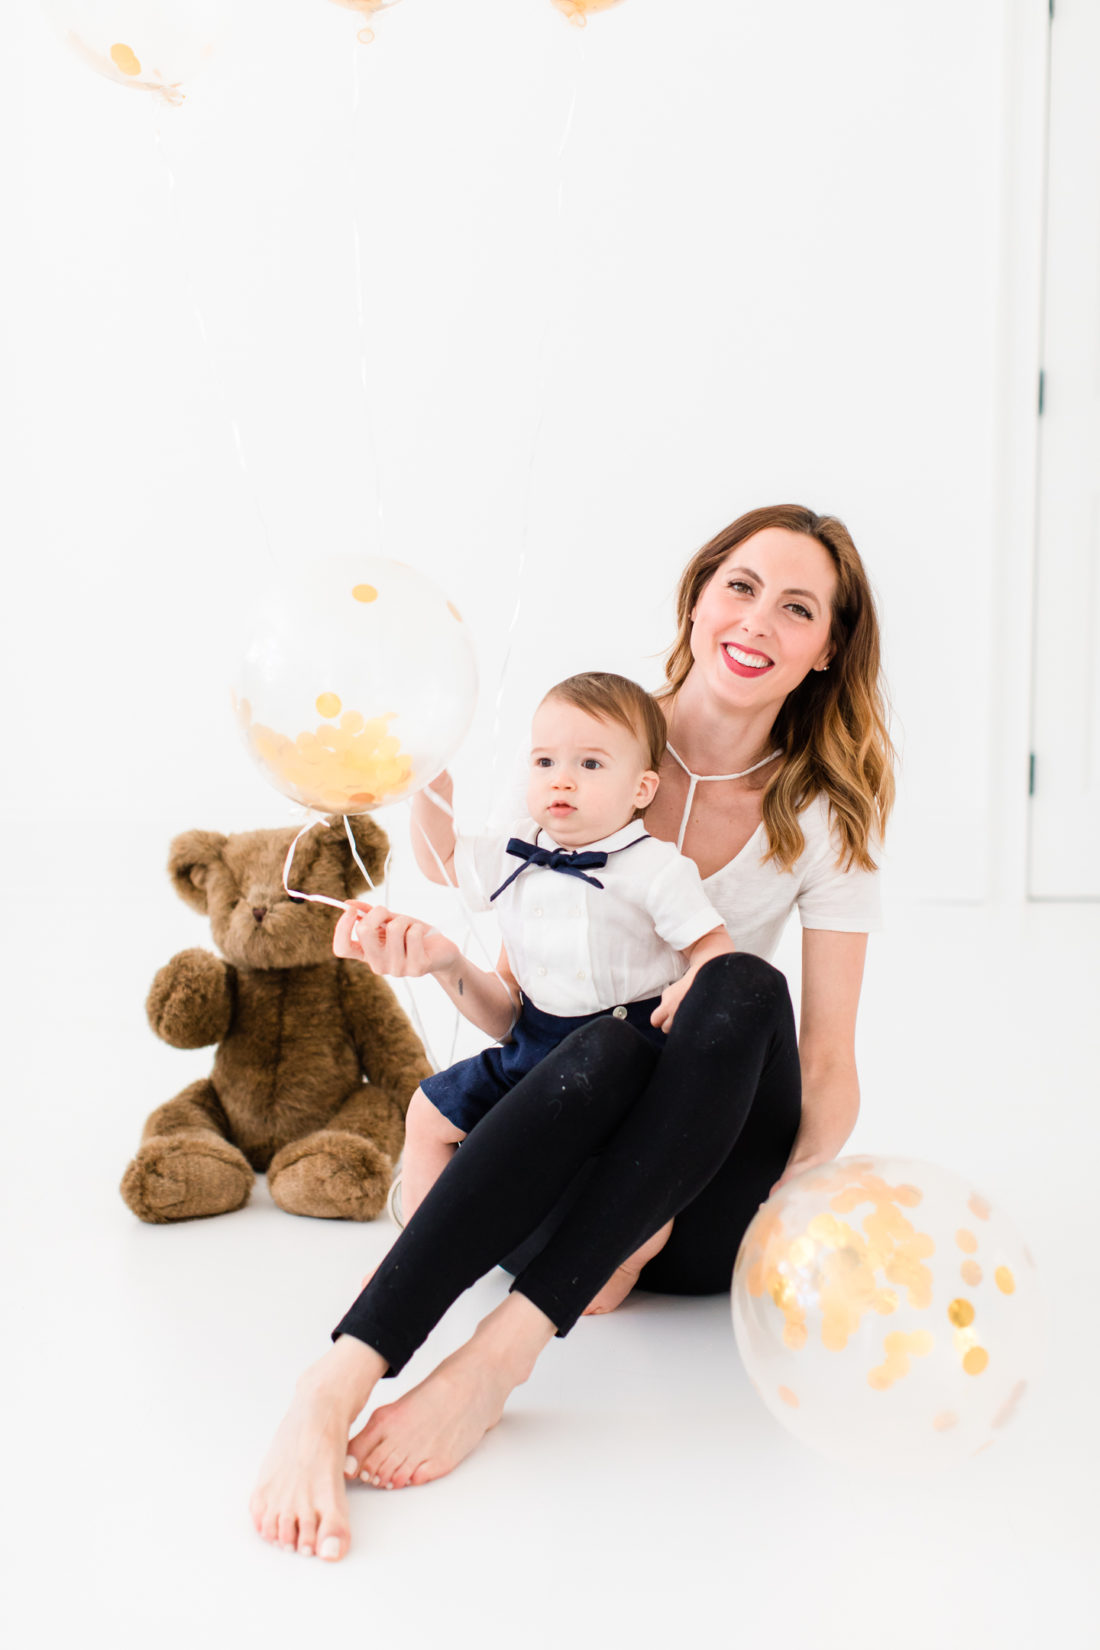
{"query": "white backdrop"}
{"type": "Point", "coordinates": [616, 287]}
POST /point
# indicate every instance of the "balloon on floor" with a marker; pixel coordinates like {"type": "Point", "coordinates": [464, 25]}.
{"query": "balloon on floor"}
{"type": "Point", "coordinates": [358, 684]}
{"type": "Point", "coordinates": [887, 1314]}
{"type": "Point", "coordinates": [577, 11]}
{"type": "Point", "coordinates": [150, 45]}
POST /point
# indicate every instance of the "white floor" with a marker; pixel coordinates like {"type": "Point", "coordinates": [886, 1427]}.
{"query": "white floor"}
{"type": "Point", "coordinates": [637, 1492]}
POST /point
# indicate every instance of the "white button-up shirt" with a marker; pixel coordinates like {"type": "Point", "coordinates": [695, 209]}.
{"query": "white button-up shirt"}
{"type": "Point", "coordinates": [576, 949]}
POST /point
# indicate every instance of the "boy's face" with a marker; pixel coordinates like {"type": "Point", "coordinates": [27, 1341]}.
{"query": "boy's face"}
{"type": "Point", "coordinates": [587, 776]}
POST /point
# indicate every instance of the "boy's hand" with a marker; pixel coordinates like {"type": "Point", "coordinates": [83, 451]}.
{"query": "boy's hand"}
{"type": "Point", "coordinates": [671, 998]}
{"type": "Point", "coordinates": [392, 944]}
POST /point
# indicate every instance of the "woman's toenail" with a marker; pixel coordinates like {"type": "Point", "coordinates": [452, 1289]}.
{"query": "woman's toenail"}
{"type": "Point", "coordinates": [330, 1547]}
{"type": "Point", "coordinates": [364, 1477]}
{"type": "Point", "coordinates": [306, 1552]}
{"type": "Point", "coordinates": [351, 1466]}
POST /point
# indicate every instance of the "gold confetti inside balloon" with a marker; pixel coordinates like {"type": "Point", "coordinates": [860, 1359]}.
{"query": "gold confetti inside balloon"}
{"type": "Point", "coordinates": [358, 685]}
{"type": "Point", "coordinates": [578, 11]}
{"type": "Point", "coordinates": [887, 1313]}
{"type": "Point", "coordinates": [152, 45]}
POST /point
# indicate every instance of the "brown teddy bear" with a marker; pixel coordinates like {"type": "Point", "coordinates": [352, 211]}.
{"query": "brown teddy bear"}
{"type": "Point", "coordinates": [297, 1031]}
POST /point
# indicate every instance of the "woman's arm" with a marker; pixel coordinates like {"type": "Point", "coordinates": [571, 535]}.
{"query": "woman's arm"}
{"type": "Point", "coordinates": [402, 946]}
{"type": "Point", "coordinates": [433, 832]}
{"type": "Point", "coordinates": [832, 974]}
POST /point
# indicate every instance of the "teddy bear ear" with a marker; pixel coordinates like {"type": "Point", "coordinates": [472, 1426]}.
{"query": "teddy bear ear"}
{"type": "Point", "coordinates": [371, 844]}
{"type": "Point", "coordinates": [189, 861]}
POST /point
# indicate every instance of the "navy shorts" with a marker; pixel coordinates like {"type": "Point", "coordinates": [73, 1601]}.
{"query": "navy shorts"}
{"type": "Point", "coordinates": [465, 1092]}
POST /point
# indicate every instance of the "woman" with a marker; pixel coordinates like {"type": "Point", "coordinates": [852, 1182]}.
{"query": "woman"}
{"type": "Point", "coordinates": [777, 782]}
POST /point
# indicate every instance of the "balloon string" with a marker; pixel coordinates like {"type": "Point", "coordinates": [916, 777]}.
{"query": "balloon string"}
{"type": "Point", "coordinates": [542, 401]}
{"type": "Point", "coordinates": [297, 893]}
{"type": "Point", "coordinates": [189, 283]}
{"type": "Point", "coordinates": [471, 927]}
{"type": "Point", "coordinates": [360, 309]}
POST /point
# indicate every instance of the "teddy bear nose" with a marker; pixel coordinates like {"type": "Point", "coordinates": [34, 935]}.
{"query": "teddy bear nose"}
{"type": "Point", "coordinates": [259, 912]}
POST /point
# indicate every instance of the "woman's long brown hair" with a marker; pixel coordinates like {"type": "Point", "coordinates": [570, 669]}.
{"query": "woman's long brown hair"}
{"type": "Point", "coordinates": [832, 728]}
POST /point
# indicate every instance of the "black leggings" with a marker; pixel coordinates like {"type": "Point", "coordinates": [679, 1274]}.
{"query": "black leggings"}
{"type": "Point", "coordinates": [699, 1130]}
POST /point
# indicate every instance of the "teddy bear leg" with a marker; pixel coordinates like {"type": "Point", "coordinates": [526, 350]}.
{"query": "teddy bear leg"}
{"type": "Point", "coordinates": [186, 1168]}
{"type": "Point", "coordinates": [342, 1172]}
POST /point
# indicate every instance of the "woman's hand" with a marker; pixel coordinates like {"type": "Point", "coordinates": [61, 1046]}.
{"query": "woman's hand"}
{"type": "Point", "coordinates": [797, 1166]}
{"type": "Point", "coordinates": [392, 944]}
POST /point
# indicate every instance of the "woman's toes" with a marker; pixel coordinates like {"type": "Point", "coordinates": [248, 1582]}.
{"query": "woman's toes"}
{"type": "Point", "coordinates": [352, 1468]}
{"type": "Point", "coordinates": [307, 1534]}
{"type": "Point", "coordinates": [422, 1475]}
{"type": "Point", "coordinates": [269, 1525]}
{"type": "Point", "coordinates": [332, 1541]}
{"type": "Point", "coordinates": [288, 1531]}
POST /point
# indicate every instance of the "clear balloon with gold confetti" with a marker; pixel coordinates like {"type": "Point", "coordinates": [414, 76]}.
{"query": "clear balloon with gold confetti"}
{"type": "Point", "coordinates": [367, 9]}
{"type": "Point", "coordinates": [887, 1313]}
{"type": "Point", "coordinates": [150, 45]}
{"type": "Point", "coordinates": [358, 684]}
{"type": "Point", "coordinates": [579, 11]}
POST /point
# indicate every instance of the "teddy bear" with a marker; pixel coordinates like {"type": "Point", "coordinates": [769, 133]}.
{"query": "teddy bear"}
{"type": "Point", "coordinates": [297, 1032]}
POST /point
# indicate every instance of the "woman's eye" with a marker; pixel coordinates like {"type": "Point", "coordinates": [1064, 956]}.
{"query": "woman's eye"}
{"type": "Point", "coordinates": [803, 612]}
{"type": "Point", "coordinates": [739, 585]}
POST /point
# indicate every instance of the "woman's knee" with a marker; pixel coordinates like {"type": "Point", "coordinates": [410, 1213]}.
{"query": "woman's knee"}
{"type": "Point", "coordinates": [736, 981]}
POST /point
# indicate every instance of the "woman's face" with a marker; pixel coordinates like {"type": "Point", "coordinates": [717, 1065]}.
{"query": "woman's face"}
{"type": "Point", "coordinates": [761, 623]}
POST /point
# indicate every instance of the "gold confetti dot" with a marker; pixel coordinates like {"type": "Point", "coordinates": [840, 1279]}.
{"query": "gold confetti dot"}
{"type": "Point", "coordinates": [788, 1396]}
{"type": "Point", "coordinates": [945, 1420]}
{"type": "Point", "coordinates": [453, 611]}
{"type": "Point", "coordinates": [365, 593]}
{"type": "Point", "coordinates": [1004, 1280]}
{"type": "Point", "coordinates": [971, 1273]}
{"type": "Point", "coordinates": [975, 1360]}
{"type": "Point", "coordinates": [352, 721]}
{"type": "Point", "coordinates": [125, 59]}
{"type": "Point", "coordinates": [966, 1240]}
{"type": "Point", "coordinates": [978, 1206]}
{"type": "Point", "coordinates": [909, 1196]}
{"type": "Point", "coordinates": [328, 704]}
{"type": "Point", "coordinates": [961, 1313]}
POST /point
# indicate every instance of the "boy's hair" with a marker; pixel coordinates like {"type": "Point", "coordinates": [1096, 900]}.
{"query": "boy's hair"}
{"type": "Point", "coordinates": [612, 698]}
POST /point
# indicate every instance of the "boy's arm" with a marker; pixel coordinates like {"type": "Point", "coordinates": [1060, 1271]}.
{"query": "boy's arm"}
{"type": "Point", "coordinates": [397, 945]}
{"type": "Point", "coordinates": [433, 832]}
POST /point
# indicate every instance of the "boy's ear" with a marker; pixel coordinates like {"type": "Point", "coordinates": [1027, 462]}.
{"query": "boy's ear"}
{"type": "Point", "coordinates": [189, 860]}
{"type": "Point", "coordinates": [371, 844]}
{"type": "Point", "coordinates": [647, 790]}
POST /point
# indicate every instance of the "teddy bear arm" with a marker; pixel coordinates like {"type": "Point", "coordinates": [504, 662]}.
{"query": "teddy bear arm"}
{"type": "Point", "coordinates": [190, 1002]}
{"type": "Point", "coordinates": [391, 1054]}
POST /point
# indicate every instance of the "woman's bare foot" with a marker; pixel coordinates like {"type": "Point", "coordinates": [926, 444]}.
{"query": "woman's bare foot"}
{"type": "Point", "coordinates": [624, 1277]}
{"type": "Point", "coordinates": [427, 1432]}
{"type": "Point", "coordinates": [300, 1500]}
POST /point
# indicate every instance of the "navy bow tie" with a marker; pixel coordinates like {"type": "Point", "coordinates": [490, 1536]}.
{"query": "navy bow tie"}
{"type": "Point", "coordinates": [555, 859]}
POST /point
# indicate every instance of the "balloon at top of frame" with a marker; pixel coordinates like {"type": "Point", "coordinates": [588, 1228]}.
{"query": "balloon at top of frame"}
{"type": "Point", "coordinates": [358, 685]}
{"type": "Point", "coordinates": [366, 9]}
{"type": "Point", "coordinates": [150, 45]}
{"type": "Point", "coordinates": [887, 1313]}
{"type": "Point", "coordinates": [578, 11]}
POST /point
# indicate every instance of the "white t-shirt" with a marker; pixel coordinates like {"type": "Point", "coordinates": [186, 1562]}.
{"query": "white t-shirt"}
{"type": "Point", "coordinates": [577, 949]}
{"type": "Point", "coordinates": [755, 899]}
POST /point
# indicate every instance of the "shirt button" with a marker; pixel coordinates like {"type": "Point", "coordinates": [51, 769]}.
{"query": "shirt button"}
{"type": "Point", "coordinates": [581, 975]}
{"type": "Point", "coordinates": [619, 1013]}
{"type": "Point", "coordinates": [542, 971]}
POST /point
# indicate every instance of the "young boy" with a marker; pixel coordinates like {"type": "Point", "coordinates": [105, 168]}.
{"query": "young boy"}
{"type": "Point", "coordinates": [596, 916]}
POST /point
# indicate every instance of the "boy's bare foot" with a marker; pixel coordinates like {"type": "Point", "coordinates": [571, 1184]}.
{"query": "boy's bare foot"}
{"type": "Point", "coordinates": [427, 1432]}
{"type": "Point", "coordinates": [624, 1277]}
{"type": "Point", "coordinates": [300, 1500]}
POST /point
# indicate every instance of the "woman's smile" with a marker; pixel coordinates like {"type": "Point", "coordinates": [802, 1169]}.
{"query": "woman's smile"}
{"type": "Point", "coordinates": [743, 662]}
